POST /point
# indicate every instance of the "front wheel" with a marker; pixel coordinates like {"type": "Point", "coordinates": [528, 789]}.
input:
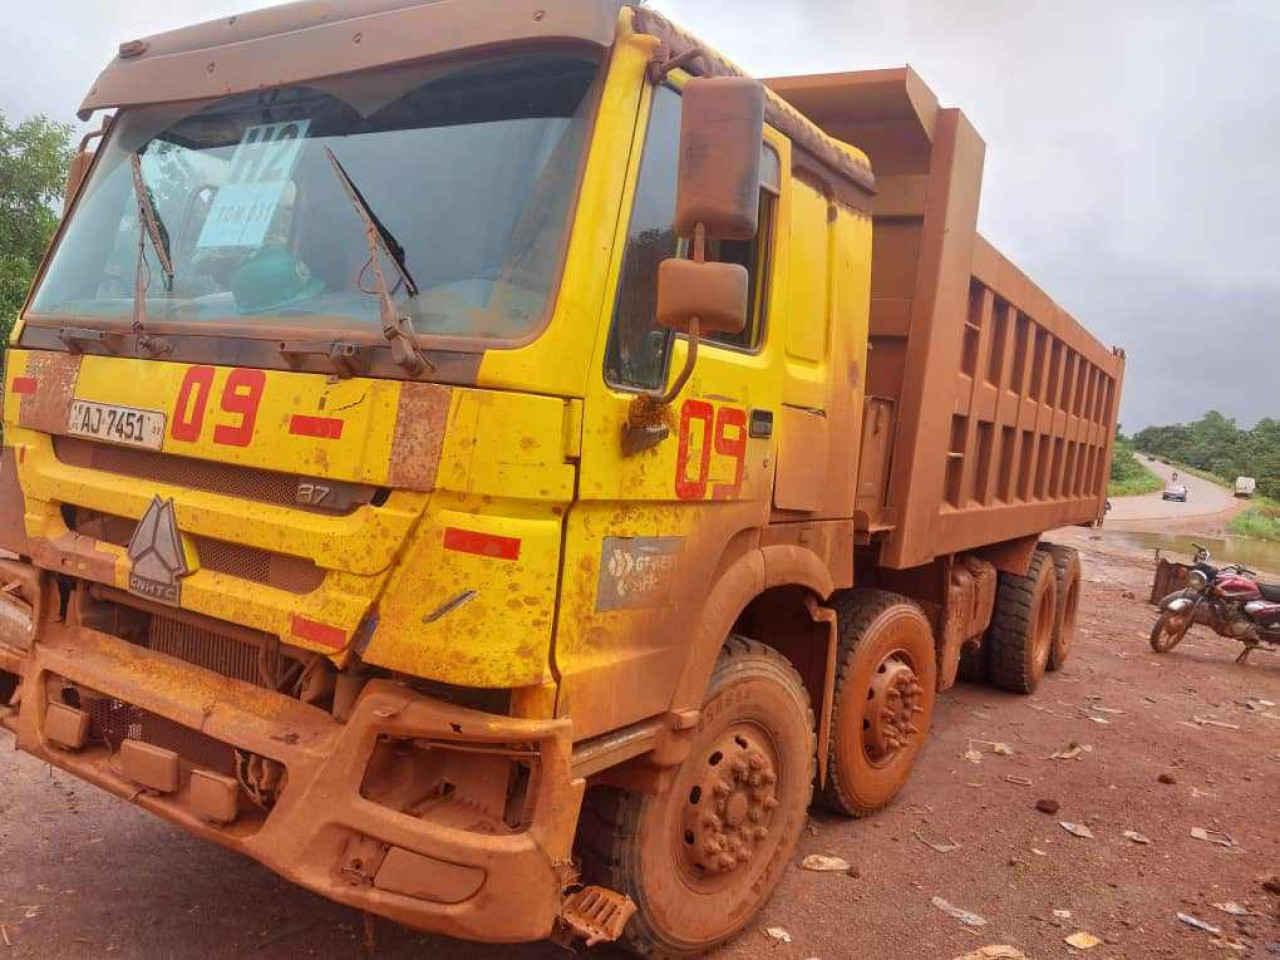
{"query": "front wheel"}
{"type": "Point", "coordinates": [1169, 629]}
{"type": "Point", "coordinates": [701, 859]}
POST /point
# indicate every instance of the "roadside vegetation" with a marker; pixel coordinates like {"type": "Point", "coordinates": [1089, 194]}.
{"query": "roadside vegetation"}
{"type": "Point", "coordinates": [1261, 520]}
{"type": "Point", "coordinates": [1220, 450]}
{"type": "Point", "coordinates": [33, 167]}
{"type": "Point", "coordinates": [1215, 449]}
{"type": "Point", "coordinates": [1129, 475]}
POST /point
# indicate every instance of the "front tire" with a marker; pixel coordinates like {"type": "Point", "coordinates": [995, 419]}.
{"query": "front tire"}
{"type": "Point", "coordinates": [701, 859]}
{"type": "Point", "coordinates": [886, 680]}
{"type": "Point", "coordinates": [1169, 630]}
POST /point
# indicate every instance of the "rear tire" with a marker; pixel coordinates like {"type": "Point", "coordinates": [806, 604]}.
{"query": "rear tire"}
{"type": "Point", "coordinates": [886, 680]}
{"type": "Point", "coordinates": [702, 858]}
{"type": "Point", "coordinates": [973, 665]}
{"type": "Point", "coordinates": [1021, 633]}
{"type": "Point", "coordinates": [1066, 563]}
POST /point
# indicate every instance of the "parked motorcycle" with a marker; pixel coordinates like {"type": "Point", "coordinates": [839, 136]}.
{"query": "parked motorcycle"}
{"type": "Point", "coordinates": [1230, 600]}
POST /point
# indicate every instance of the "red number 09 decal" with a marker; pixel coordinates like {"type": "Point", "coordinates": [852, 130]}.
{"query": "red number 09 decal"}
{"type": "Point", "coordinates": [241, 398]}
{"type": "Point", "coordinates": [725, 432]}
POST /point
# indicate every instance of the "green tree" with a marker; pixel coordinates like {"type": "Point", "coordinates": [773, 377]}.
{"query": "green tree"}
{"type": "Point", "coordinates": [34, 156]}
{"type": "Point", "coordinates": [1215, 443]}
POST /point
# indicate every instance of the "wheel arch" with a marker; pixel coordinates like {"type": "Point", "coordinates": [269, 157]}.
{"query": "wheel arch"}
{"type": "Point", "coordinates": [773, 594]}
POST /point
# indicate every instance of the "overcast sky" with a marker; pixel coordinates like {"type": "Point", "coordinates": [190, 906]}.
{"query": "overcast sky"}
{"type": "Point", "coordinates": [1133, 148]}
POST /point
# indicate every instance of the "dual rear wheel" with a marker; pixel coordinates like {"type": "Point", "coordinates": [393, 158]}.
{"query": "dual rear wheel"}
{"type": "Point", "coordinates": [1033, 626]}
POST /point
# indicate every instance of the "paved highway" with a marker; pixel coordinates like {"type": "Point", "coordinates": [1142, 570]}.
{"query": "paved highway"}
{"type": "Point", "coordinates": [1203, 499]}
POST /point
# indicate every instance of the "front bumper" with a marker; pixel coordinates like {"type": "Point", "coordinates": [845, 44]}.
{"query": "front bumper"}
{"type": "Point", "coordinates": [449, 878]}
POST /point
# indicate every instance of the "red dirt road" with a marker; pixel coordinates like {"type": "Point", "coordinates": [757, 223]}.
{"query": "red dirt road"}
{"type": "Point", "coordinates": [85, 875]}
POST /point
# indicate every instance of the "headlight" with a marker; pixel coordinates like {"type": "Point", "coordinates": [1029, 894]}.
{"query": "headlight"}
{"type": "Point", "coordinates": [1197, 580]}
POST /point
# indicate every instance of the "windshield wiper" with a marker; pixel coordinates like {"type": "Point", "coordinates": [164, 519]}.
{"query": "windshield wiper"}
{"type": "Point", "coordinates": [149, 226]}
{"type": "Point", "coordinates": [396, 327]}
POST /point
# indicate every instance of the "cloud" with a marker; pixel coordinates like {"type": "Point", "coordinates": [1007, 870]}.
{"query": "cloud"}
{"type": "Point", "coordinates": [1130, 148]}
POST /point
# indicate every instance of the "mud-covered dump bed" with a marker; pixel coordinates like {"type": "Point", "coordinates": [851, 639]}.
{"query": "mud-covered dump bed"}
{"type": "Point", "coordinates": [990, 411]}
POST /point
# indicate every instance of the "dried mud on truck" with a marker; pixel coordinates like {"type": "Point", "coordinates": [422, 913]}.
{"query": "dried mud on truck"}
{"type": "Point", "coordinates": [496, 465]}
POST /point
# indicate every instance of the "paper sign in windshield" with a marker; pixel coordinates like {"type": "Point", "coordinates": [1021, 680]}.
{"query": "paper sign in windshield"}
{"type": "Point", "coordinates": [260, 171]}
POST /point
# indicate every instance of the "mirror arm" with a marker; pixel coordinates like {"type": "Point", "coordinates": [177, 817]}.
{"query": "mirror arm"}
{"type": "Point", "coordinates": [691, 358]}
{"type": "Point", "coordinates": [659, 69]}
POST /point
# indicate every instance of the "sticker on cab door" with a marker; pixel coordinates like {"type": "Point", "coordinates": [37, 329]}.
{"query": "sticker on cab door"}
{"type": "Point", "coordinates": [637, 572]}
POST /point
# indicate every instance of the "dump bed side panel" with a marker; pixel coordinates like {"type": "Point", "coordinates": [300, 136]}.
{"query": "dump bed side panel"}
{"type": "Point", "coordinates": [1002, 406]}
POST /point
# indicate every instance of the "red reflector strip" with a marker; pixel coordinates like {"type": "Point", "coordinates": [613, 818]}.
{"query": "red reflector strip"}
{"type": "Point", "coordinates": [323, 428]}
{"type": "Point", "coordinates": [482, 544]}
{"type": "Point", "coordinates": [25, 385]}
{"type": "Point", "coordinates": [320, 633]}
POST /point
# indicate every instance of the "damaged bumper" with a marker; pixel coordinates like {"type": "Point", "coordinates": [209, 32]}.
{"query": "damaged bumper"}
{"type": "Point", "coordinates": [399, 811]}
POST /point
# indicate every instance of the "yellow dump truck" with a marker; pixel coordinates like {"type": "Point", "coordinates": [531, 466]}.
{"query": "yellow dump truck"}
{"type": "Point", "coordinates": [495, 464]}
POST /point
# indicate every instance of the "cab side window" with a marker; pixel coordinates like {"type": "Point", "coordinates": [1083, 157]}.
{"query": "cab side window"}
{"type": "Point", "coordinates": [754, 255]}
{"type": "Point", "coordinates": [639, 348]}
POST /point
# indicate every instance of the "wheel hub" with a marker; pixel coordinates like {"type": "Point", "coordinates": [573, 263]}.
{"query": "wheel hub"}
{"type": "Point", "coordinates": [730, 806]}
{"type": "Point", "coordinates": [895, 699]}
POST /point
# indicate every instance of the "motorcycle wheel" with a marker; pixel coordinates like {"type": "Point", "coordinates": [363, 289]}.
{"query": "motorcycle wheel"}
{"type": "Point", "coordinates": [1169, 630]}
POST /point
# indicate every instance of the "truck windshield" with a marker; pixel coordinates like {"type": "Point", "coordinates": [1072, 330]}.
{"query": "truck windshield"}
{"type": "Point", "coordinates": [471, 167]}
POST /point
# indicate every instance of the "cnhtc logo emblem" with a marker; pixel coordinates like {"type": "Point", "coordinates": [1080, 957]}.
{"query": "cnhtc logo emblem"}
{"type": "Point", "coordinates": [159, 562]}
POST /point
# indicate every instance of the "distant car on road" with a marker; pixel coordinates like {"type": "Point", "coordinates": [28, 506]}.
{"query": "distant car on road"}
{"type": "Point", "coordinates": [1175, 491]}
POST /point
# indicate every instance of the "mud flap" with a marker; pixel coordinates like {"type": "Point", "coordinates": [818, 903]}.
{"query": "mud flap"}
{"type": "Point", "coordinates": [596, 915]}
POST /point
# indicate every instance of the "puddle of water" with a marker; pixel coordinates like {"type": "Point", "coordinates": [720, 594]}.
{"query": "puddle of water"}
{"type": "Point", "coordinates": [1254, 554]}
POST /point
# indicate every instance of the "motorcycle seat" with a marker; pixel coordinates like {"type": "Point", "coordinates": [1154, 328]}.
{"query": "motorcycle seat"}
{"type": "Point", "coordinates": [1270, 591]}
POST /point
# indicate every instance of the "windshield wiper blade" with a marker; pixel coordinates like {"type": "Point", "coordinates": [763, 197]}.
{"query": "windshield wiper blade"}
{"type": "Point", "coordinates": [149, 226]}
{"type": "Point", "coordinates": [396, 327]}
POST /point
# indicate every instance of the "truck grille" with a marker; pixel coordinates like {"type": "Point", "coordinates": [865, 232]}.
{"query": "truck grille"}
{"type": "Point", "coordinates": [246, 483]}
{"type": "Point", "coordinates": [204, 648]}
{"type": "Point", "coordinates": [258, 661]}
{"type": "Point", "coordinates": [291, 574]}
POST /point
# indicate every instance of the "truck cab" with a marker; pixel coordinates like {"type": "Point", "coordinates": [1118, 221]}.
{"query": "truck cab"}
{"type": "Point", "coordinates": [430, 414]}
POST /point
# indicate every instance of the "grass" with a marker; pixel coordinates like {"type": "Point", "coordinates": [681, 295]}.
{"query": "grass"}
{"type": "Point", "coordinates": [1261, 520]}
{"type": "Point", "coordinates": [1130, 477]}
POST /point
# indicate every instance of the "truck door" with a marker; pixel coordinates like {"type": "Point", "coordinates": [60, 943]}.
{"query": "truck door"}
{"type": "Point", "coordinates": [649, 528]}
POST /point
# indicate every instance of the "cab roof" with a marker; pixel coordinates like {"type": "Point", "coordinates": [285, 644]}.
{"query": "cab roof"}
{"type": "Point", "coordinates": [302, 41]}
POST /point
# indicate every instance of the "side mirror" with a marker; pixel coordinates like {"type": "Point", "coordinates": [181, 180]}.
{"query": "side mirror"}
{"type": "Point", "coordinates": [81, 160]}
{"type": "Point", "coordinates": [717, 197]}
{"type": "Point", "coordinates": [76, 171]}
{"type": "Point", "coordinates": [713, 295]}
{"type": "Point", "coordinates": [721, 128]}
